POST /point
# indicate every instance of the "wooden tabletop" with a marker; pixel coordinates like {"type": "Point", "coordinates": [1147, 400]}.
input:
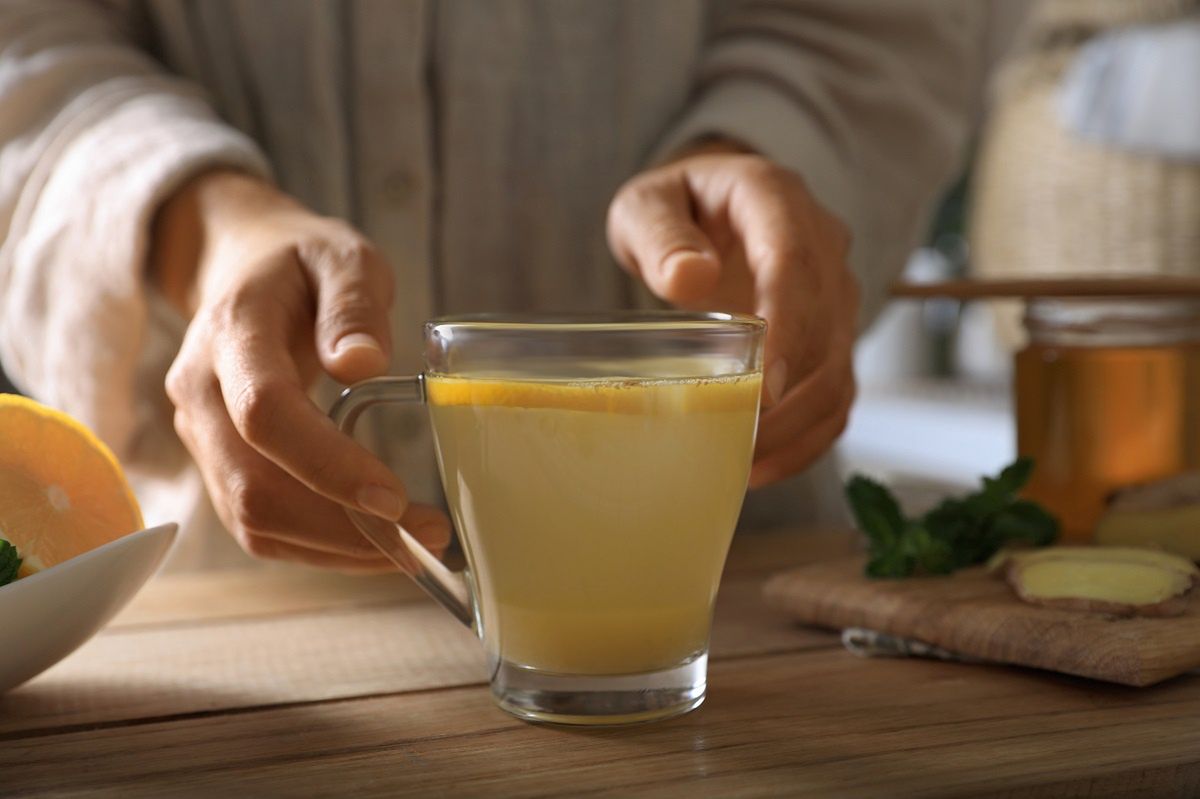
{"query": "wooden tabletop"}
{"type": "Point", "coordinates": [265, 684]}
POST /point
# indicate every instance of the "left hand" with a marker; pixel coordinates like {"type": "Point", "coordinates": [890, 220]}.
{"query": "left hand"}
{"type": "Point", "coordinates": [731, 231]}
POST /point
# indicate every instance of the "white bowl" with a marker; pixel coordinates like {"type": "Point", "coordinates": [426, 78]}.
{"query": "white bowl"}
{"type": "Point", "coordinates": [48, 615]}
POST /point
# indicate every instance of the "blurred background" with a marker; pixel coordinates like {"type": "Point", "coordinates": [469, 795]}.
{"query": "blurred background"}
{"type": "Point", "coordinates": [1086, 159]}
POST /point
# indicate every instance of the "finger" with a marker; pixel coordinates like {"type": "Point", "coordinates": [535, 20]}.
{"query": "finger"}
{"type": "Point", "coordinates": [430, 526]}
{"type": "Point", "coordinates": [653, 233]}
{"type": "Point", "coordinates": [254, 497]}
{"type": "Point", "coordinates": [788, 293]}
{"type": "Point", "coordinates": [354, 297]}
{"type": "Point", "coordinates": [804, 451]}
{"type": "Point", "coordinates": [427, 524]}
{"type": "Point", "coordinates": [332, 532]}
{"type": "Point", "coordinates": [797, 254]}
{"type": "Point", "coordinates": [805, 405]}
{"type": "Point", "coordinates": [267, 404]}
{"type": "Point", "coordinates": [272, 549]}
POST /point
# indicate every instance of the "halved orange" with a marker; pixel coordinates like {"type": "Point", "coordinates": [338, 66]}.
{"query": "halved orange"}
{"type": "Point", "coordinates": [617, 395]}
{"type": "Point", "coordinates": [62, 493]}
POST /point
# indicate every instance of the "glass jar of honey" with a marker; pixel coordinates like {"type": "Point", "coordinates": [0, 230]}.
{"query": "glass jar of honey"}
{"type": "Point", "coordinates": [1107, 395]}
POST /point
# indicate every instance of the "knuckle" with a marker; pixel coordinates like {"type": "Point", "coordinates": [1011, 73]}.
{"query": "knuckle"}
{"type": "Point", "coordinates": [360, 283]}
{"type": "Point", "coordinates": [184, 380]}
{"type": "Point", "coordinates": [782, 252]}
{"type": "Point", "coordinates": [670, 235]}
{"type": "Point", "coordinates": [341, 249]}
{"type": "Point", "coordinates": [618, 212]}
{"type": "Point", "coordinates": [642, 190]}
{"type": "Point", "coordinates": [623, 195]}
{"type": "Point", "coordinates": [239, 304]}
{"type": "Point", "coordinates": [359, 255]}
{"type": "Point", "coordinates": [256, 546]}
{"type": "Point", "coordinates": [766, 172]}
{"type": "Point", "coordinates": [255, 409]}
{"type": "Point", "coordinates": [347, 309]}
{"type": "Point", "coordinates": [177, 383]}
{"type": "Point", "coordinates": [251, 505]}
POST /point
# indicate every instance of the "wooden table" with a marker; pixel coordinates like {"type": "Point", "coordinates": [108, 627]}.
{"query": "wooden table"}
{"type": "Point", "coordinates": [252, 684]}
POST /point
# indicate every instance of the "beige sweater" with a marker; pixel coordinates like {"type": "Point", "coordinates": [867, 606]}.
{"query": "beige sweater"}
{"type": "Point", "coordinates": [477, 142]}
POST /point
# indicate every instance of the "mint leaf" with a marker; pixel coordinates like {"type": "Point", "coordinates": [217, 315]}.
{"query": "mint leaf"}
{"type": "Point", "coordinates": [1012, 478]}
{"type": "Point", "coordinates": [10, 562]}
{"type": "Point", "coordinates": [1024, 521]}
{"type": "Point", "coordinates": [929, 553]}
{"type": "Point", "coordinates": [959, 532]}
{"type": "Point", "coordinates": [876, 510]}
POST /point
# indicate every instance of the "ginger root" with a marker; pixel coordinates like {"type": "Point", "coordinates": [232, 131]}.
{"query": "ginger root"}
{"type": "Point", "coordinates": [1165, 514]}
{"type": "Point", "coordinates": [1120, 581]}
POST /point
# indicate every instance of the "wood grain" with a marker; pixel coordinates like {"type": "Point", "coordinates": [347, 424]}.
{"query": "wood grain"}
{"type": "Point", "coordinates": [1026, 288]}
{"type": "Point", "coordinates": [246, 593]}
{"type": "Point", "coordinates": [375, 692]}
{"type": "Point", "coordinates": [156, 671]}
{"type": "Point", "coordinates": [822, 722]}
{"type": "Point", "coordinates": [977, 615]}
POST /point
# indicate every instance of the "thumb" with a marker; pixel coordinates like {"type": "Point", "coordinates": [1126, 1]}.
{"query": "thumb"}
{"type": "Point", "coordinates": [652, 232]}
{"type": "Point", "coordinates": [354, 297]}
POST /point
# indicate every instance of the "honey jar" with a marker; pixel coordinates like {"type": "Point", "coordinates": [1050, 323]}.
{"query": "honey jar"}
{"type": "Point", "coordinates": [1107, 395]}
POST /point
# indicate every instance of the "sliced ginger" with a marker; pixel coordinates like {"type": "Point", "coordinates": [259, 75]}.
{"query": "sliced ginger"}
{"type": "Point", "coordinates": [1122, 581]}
{"type": "Point", "coordinates": [1149, 557]}
{"type": "Point", "coordinates": [62, 492]}
{"type": "Point", "coordinates": [1165, 513]}
{"type": "Point", "coordinates": [1174, 529]}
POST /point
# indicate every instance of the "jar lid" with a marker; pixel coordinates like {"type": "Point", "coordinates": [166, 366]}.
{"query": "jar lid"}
{"type": "Point", "coordinates": [1082, 285]}
{"type": "Point", "coordinates": [1095, 322]}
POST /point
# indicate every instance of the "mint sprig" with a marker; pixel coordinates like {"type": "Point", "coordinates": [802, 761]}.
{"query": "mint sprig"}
{"type": "Point", "coordinates": [957, 533]}
{"type": "Point", "coordinates": [10, 562]}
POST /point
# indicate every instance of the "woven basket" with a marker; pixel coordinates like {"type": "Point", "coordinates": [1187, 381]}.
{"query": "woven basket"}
{"type": "Point", "coordinates": [1095, 14]}
{"type": "Point", "coordinates": [1049, 203]}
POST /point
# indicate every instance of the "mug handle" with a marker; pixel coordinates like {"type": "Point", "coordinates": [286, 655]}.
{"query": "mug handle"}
{"type": "Point", "coordinates": [396, 543]}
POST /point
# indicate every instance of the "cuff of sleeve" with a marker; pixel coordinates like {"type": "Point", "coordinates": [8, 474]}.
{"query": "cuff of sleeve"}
{"type": "Point", "coordinates": [77, 330]}
{"type": "Point", "coordinates": [775, 125]}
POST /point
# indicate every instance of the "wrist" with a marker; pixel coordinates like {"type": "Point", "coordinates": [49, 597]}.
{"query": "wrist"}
{"type": "Point", "coordinates": [192, 224]}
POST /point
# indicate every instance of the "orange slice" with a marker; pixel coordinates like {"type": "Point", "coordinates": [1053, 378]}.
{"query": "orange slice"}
{"type": "Point", "coordinates": [62, 492]}
{"type": "Point", "coordinates": [634, 395]}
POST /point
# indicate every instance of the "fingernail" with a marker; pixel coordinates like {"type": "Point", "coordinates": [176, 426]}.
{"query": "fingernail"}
{"type": "Point", "coordinates": [382, 502]}
{"type": "Point", "coordinates": [688, 252]}
{"type": "Point", "coordinates": [674, 262]}
{"type": "Point", "coordinates": [776, 380]}
{"type": "Point", "coordinates": [352, 341]}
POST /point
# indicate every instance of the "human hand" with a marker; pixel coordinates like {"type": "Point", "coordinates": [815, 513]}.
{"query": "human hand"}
{"type": "Point", "coordinates": [275, 295]}
{"type": "Point", "coordinates": [732, 231]}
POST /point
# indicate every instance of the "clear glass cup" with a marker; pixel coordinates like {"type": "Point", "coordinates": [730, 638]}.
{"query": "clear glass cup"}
{"type": "Point", "coordinates": [594, 467]}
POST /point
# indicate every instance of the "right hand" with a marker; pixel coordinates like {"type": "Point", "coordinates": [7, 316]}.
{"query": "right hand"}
{"type": "Point", "coordinates": [276, 294]}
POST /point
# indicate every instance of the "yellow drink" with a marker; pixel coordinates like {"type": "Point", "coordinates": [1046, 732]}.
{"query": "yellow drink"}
{"type": "Point", "coordinates": [596, 513]}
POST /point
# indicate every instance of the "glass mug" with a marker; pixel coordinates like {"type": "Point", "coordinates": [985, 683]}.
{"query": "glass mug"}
{"type": "Point", "coordinates": [594, 467]}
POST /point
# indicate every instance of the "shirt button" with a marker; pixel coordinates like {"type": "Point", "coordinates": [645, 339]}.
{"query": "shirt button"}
{"type": "Point", "coordinates": [398, 186]}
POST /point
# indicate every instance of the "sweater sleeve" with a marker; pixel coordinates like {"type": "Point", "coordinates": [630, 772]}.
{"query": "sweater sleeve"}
{"type": "Point", "coordinates": [868, 100]}
{"type": "Point", "coordinates": [93, 137]}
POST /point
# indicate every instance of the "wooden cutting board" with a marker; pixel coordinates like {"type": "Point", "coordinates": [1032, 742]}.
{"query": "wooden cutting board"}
{"type": "Point", "coordinates": [976, 615]}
